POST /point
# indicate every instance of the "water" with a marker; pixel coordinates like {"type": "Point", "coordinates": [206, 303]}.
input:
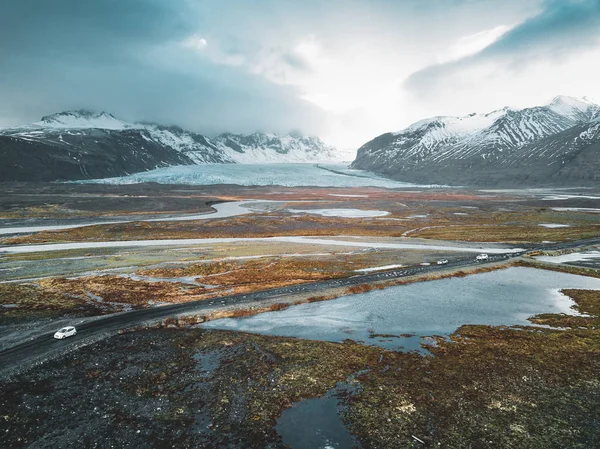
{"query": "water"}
{"type": "Point", "coordinates": [314, 424]}
{"type": "Point", "coordinates": [19, 249]}
{"type": "Point", "coordinates": [222, 210]}
{"type": "Point", "coordinates": [291, 175]}
{"type": "Point", "coordinates": [343, 212]}
{"type": "Point", "coordinates": [400, 317]}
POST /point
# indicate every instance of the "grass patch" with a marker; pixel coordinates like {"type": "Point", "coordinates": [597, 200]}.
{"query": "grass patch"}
{"type": "Point", "coordinates": [27, 301]}
{"type": "Point", "coordinates": [508, 233]}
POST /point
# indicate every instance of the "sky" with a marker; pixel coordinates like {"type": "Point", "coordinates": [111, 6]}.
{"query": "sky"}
{"type": "Point", "coordinates": [345, 70]}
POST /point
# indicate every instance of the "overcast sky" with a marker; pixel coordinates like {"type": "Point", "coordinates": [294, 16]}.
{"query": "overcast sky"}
{"type": "Point", "coordinates": [346, 70]}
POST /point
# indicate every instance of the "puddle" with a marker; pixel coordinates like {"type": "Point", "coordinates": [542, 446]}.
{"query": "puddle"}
{"type": "Point", "coordinates": [554, 225]}
{"type": "Point", "coordinates": [208, 362]}
{"type": "Point", "coordinates": [399, 317]}
{"type": "Point", "coordinates": [384, 267]}
{"type": "Point", "coordinates": [94, 297]}
{"type": "Point", "coordinates": [120, 306]}
{"type": "Point", "coordinates": [189, 280]}
{"type": "Point", "coordinates": [316, 423]}
{"type": "Point", "coordinates": [576, 209]}
{"type": "Point", "coordinates": [345, 213]}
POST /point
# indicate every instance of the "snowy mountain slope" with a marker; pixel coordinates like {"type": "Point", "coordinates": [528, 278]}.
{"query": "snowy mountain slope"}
{"type": "Point", "coordinates": [511, 130]}
{"type": "Point", "coordinates": [578, 109]}
{"type": "Point", "coordinates": [95, 145]}
{"type": "Point", "coordinates": [81, 120]}
{"type": "Point", "coordinates": [465, 149]}
{"type": "Point", "coordinates": [74, 155]}
{"type": "Point", "coordinates": [199, 148]}
{"type": "Point", "coordinates": [272, 148]}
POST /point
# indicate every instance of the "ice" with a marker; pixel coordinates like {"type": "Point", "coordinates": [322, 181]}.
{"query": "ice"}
{"type": "Point", "coordinates": [290, 175]}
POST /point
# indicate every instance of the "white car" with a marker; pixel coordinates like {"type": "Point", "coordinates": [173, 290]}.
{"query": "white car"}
{"type": "Point", "coordinates": [482, 257]}
{"type": "Point", "coordinates": [442, 261]}
{"type": "Point", "coordinates": [65, 332]}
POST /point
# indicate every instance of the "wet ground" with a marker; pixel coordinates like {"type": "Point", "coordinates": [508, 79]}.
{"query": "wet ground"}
{"type": "Point", "coordinates": [487, 387]}
{"type": "Point", "coordinates": [482, 386]}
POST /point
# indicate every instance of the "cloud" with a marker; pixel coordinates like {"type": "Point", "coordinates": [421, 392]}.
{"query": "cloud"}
{"type": "Point", "coordinates": [474, 43]}
{"type": "Point", "coordinates": [560, 31]}
{"type": "Point", "coordinates": [141, 60]}
{"type": "Point", "coordinates": [195, 42]}
{"type": "Point", "coordinates": [335, 68]}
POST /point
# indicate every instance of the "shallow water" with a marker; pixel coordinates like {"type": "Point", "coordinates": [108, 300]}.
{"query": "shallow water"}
{"type": "Point", "coordinates": [213, 241]}
{"type": "Point", "coordinates": [222, 210]}
{"type": "Point", "coordinates": [573, 257]}
{"type": "Point", "coordinates": [314, 424]}
{"type": "Point", "coordinates": [399, 317]}
{"type": "Point", "coordinates": [345, 213]}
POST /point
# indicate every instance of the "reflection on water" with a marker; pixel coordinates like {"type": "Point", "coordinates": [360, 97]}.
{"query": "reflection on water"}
{"type": "Point", "coordinates": [316, 423]}
{"type": "Point", "coordinates": [398, 317]}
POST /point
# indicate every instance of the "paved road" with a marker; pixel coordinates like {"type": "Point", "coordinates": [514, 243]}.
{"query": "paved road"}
{"type": "Point", "coordinates": [45, 345]}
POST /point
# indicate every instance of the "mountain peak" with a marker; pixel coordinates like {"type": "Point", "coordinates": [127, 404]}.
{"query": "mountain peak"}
{"type": "Point", "coordinates": [573, 101]}
{"type": "Point", "coordinates": [81, 118]}
{"type": "Point", "coordinates": [575, 108]}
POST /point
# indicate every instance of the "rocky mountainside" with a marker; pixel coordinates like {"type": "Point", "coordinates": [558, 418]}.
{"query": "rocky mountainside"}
{"type": "Point", "coordinates": [555, 144]}
{"type": "Point", "coordinates": [81, 144]}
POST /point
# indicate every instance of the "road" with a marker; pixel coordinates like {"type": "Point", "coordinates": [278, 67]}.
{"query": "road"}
{"type": "Point", "coordinates": [45, 345]}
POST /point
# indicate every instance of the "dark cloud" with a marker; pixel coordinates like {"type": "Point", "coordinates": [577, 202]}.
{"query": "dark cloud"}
{"type": "Point", "coordinates": [72, 28]}
{"type": "Point", "coordinates": [563, 28]}
{"type": "Point", "coordinates": [124, 56]}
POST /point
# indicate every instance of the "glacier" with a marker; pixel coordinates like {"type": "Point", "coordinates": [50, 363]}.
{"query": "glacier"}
{"type": "Point", "coordinates": [287, 175]}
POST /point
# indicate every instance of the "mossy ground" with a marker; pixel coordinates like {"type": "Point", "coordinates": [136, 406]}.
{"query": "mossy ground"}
{"type": "Point", "coordinates": [486, 387]}
{"type": "Point", "coordinates": [431, 215]}
{"type": "Point", "coordinates": [526, 387]}
{"type": "Point", "coordinates": [28, 302]}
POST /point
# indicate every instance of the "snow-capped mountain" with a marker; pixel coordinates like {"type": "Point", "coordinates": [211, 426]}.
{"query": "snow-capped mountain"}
{"type": "Point", "coordinates": [80, 120]}
{"type": "Point", "coordinates": [266, 148]}
{"type": "Point", "coordinates": [83, 144]}
{"type": "Point", "coordinates": [481, 147]}
{"type": "Point", "coordinates": [578, 109]}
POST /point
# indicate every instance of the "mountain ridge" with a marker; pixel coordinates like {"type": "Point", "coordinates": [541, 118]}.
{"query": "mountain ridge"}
{"type": "Point", "coordinates": [536, 145]}
{"type": "Point", "coordinates": [82, 144]}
